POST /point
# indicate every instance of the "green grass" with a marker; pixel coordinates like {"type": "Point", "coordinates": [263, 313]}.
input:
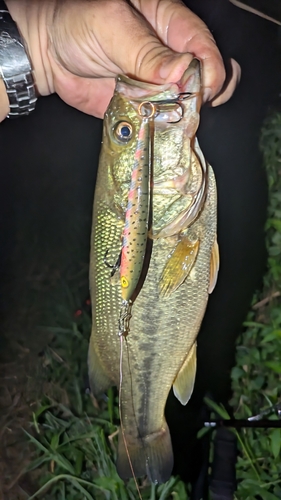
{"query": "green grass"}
{"type": "Point", "coordinates": [75, 436]}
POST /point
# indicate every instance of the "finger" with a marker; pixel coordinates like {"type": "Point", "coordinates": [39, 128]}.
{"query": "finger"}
{"type": "Point", "coordinates": [184, 32]}
{"type": "Point", "coordinates": [126, 43]}
{"type": "Point", "coordinates": [135, 48]}
{"type": "Point", "coordinates": [230, 85]}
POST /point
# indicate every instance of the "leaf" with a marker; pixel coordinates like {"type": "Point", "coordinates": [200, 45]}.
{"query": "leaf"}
{"type": "Point", "coordinates": [274, 365]}
{"type": "Point", "coordinates": [275, 334]}
{"type": "Point", "coordinates": [275, 223]}
{"type": "Point", "coordinates": [203, 431]}
{"type": "Point", "coordinates": [275, 437]}
{"type": "Point", "coordinates": [253, 488]}
{"type": "Point", "coordinates": [237, 373]}
{"type": "Point", "coordinates": [220, 410]}
{"type": "Point", "coordinates": [79, 463]}
{"type": "Point", "coordinates": [82, 490]}
{"type": "Point", "coordinates": [64, 463]}
{"type": "Point", "coordinates": [55, 441]}
{"type": "Point", "coordinates": [253, 324]}
{"type": "Point", "coordinates": [41, 410]}
{"type": "Point", "coordinates": [37, 443]}
{"type": "Point", "coordinates": [166, 488]}
{"type": "Point", "coordinates": [38, 462]}
{"type": "Point", "coordinates": [179, 491]}
{"type": "Point", "coordinates": [256, 383]}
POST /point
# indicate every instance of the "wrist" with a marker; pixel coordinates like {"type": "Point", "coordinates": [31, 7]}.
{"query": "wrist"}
{"type": "Point", "coordinates": [32, 18]}
{"type": "Point", "coordinates": [4, 101]}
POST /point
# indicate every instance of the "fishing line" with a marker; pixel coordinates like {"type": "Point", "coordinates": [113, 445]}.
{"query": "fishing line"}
{"type": "Point", "coordinates": [121, 419]}
{"type": "Point", "coordinates": [122, 334]}
{"type": "Point", "coordinates": [147, 111]}
{"type": "Point", "coordinates": [133, 406]}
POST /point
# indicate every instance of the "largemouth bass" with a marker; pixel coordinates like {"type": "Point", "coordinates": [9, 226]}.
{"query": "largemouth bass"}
{"type": "Point", "coordinates": [154, 224]}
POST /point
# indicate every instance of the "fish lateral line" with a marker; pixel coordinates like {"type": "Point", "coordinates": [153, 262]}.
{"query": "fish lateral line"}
{"type": "Point", "coordinates": [122, 336]}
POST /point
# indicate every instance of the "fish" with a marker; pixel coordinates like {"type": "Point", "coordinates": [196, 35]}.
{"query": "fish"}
{"type": "Point", "coordinates": [154, 261]}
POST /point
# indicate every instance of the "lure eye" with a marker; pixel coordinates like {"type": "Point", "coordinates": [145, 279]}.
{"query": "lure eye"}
{"type": "Point", "coordinates": [124, 131]}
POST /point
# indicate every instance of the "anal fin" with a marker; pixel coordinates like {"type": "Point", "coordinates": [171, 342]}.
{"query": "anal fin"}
{"type": "Point", "coordinates": [150, 456]}
{"type": "Point", "coordinates": [178, 266]}
{"type": "Point", "coordinates": [214, 266]}
{"type": "Point", "coordinates": [184, 382]}
{"type": "Point", "coordinates": [99, 380]}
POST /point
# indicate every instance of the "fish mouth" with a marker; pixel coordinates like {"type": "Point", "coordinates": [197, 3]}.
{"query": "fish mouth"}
{"type": "Point", "coordinates": [190, 82]}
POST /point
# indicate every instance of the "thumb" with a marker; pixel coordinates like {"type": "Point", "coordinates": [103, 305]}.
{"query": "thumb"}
{"type": "Point", "coordinates": [163, 65]}
{"type": "Point", "coordinates": [131, 45]}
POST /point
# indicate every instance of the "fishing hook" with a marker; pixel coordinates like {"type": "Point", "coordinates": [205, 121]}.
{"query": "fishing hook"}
{"type": "Point", "coordinates": [182, 96]}
{"type": "Point", "coordinates": [150, 109]}
{"type": "Point", "coordinates": [115, 266]}
{"type": "Point", "coordinates": [181, 116]}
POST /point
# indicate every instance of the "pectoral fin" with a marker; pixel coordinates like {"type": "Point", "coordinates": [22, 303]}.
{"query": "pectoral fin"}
{"type": "Point", "coordinates": [214, 266]}
{"type": "Point", "coordinates": [178, 266]}
{"type": "Point", "coordinates": [184, 383]}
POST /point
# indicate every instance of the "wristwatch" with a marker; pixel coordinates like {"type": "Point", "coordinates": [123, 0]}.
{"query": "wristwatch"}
{"type": "Point", "coordinates": [15, 67]}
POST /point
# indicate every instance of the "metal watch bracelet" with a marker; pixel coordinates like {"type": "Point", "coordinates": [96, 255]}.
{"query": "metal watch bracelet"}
{"type": "Point", "coordinates": [15, 67]}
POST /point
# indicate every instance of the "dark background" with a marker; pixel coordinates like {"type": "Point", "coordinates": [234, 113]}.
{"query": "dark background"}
{"type": "Point", "coordinates": [48, 167]}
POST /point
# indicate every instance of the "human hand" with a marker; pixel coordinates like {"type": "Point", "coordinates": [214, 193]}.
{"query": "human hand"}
{"type": "Point", "coordinates": [78, 48]}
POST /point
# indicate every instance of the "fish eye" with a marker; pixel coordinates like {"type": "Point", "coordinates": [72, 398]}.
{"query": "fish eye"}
{"type": "Point", "coordinates": [123, 131]}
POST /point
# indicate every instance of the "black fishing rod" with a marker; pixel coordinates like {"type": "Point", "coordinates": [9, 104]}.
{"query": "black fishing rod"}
{"type": "Point", "coordinates": [255, 421]}
{"type": "Point", "coordinates": [221, 482]}
{"type": "Point", "coordinates": [240, 424]}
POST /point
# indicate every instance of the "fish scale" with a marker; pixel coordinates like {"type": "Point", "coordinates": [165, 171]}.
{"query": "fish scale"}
{"type": "Point", "coordinates": [160, 347]}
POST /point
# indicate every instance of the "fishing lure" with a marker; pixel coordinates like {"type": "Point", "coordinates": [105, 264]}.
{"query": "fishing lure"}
{"type": "Point", "coordinates": [135, 232]}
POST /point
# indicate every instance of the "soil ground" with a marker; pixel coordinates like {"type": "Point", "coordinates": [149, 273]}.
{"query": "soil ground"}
{"type": "Point", "coordinates": [19, 392]}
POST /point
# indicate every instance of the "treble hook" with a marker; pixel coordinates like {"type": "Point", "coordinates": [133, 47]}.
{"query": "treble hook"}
{"type": "Point", "coordinates": [181, 116]}
{"type": "Point", "coordinates": [182, 96]}
{"type": "Point", "coordinates": [115, 266]}
{"type": "Point", "coordinates": [186, 95]}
